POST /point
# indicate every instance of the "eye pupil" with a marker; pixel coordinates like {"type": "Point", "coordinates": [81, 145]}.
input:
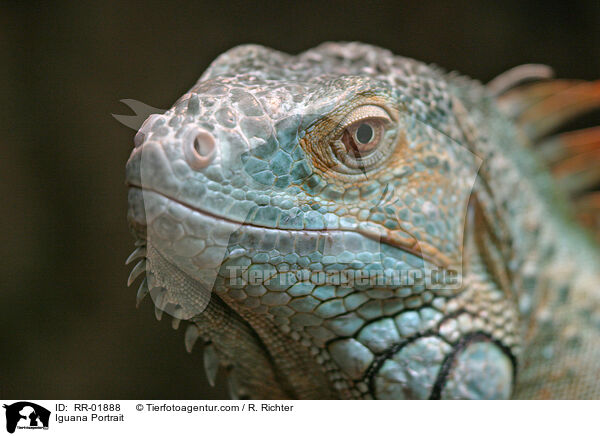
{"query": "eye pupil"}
{"type": "Point", "coordinates": [364, 133]}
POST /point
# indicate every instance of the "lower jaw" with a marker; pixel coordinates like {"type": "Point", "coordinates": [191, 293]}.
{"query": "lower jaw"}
{"type": "Point", "coordinates": [199, 242]}
{"type": "Point", "coordinates": [212, 251]}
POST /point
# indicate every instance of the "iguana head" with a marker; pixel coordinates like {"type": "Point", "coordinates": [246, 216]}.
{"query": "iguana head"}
{"type": "Point", "coordinates": [326, 194]}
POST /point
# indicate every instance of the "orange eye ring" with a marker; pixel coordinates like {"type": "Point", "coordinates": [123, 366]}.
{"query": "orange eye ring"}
{"type": "Point", "coordinates": [363, 138]}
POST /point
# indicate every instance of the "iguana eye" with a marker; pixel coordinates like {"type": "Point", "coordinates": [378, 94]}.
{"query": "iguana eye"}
{"type": "Point", "coordinates": [363, 136]}
{"type": "Point", "coordinates": [363, 139]}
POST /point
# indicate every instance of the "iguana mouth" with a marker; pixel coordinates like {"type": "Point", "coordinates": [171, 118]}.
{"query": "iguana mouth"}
{"type": "Point", "coordinates": [411, 246]}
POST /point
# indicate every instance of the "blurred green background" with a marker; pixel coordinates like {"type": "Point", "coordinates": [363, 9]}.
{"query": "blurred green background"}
{"type": "Point", "coordinates": [69, 327]}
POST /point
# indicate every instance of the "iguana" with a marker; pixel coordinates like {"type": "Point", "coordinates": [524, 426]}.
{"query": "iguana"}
{"type": "Point", "coordinates": [346, 223]}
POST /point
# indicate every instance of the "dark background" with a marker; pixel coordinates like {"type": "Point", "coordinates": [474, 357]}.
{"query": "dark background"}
{"type": "Point", "coordinates": [69, 328]}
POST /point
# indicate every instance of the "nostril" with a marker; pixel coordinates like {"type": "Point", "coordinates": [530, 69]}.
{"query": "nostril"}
{"type": "Point", "coordinates": [204, 146]}
{"type": "Point", "coordinates": [200, 151]}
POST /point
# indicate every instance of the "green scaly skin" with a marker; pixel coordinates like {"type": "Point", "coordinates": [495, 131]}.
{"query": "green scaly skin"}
{"type": "Point", "coordinates": [247, 209]}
